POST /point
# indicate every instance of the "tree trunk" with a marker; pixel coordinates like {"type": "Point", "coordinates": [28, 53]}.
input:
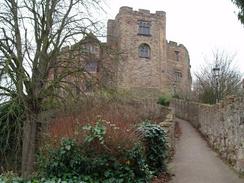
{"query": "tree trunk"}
{"type": "Point", "coordinates": [29, 145]}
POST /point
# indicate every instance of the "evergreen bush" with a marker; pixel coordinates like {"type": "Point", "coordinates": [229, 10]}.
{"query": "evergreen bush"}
{"type": "Point", "coordinates": [74, 159]}
{"type": "Point", "coordinates": [153, 137]}
{"type": "Point", "coordinates": [164, 100]}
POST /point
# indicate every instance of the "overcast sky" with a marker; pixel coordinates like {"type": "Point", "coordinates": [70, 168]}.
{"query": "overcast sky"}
{"type": "Point", "coordinates": [201, 25]}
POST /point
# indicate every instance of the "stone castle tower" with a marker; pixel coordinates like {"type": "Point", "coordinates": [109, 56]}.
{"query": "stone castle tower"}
{"type": "Point", "coordinates": [148, 61]}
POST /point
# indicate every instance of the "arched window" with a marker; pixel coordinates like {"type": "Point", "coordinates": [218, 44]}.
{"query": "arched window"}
{"type": "Point", "coordinates": [91, 66]}
{"type": "Point", "coordinates": [177, 54]}
{"type": "Point", "coordinates": [144, 51]}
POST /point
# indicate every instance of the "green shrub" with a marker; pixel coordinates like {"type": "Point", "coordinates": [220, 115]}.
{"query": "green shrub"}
{"type": "Point", "coordinates": [69, 161]}
{"type": "Point", "coordinates": [164, 100]}
{"type": "Point", "coordinates": [138, 163]}
{"type": "Point", "coordinates": [93, 161]}
{"type": "Point", "coordinates": [74, 179]}
{"type": "Point", "coordinates": [154, 140]}
{"type": "Point", "coordinates": [10, 177]}
{"type": "Point", "coordinates": [96, 132]}
{"type": "Point", "coordinates": [65, 160]}
{"type": "Point", "coordinates": [11, 122]}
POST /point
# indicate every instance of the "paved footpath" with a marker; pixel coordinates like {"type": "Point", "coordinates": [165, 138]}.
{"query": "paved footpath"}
{"type": "Point", "coordinates": [195, 162]}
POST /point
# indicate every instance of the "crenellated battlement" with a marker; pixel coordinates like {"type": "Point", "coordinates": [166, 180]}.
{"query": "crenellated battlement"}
{"type": "Point", "coordinates": [126, 10]}
{"type": "Point", "coordinates": [133, 28]}
{"type": "Point", "coordinates": [130, 34]}
{"type": "Point", "coordinates": [144, 11]}
{"type": "Point", "coordinates": [175, 44]}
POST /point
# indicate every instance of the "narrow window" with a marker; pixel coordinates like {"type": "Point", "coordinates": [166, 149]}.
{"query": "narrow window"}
{"type": "Point", "coordinates": [177, 54]}
{"type": "Point", "coordinates": [144, 51]}
{"type": "Point", "coordinates": [92, 49]}
{"type": "Point", "coordinates": [91, 66]}
{"type": "Point", "coordinates": [144, 28]}
{"type": "Point", "coordinates": [178, 76]}
{"type": "Point", "coordinates": [89, 48]}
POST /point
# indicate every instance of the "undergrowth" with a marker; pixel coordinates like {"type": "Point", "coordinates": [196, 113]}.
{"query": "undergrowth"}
{"type": "Point", "coordinates": [94, 157]}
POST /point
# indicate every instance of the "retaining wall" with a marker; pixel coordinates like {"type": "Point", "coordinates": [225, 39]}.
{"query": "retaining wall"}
{"type": "Point", "coordinates": [222, 125]}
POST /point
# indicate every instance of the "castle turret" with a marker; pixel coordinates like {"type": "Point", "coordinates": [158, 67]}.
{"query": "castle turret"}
{"type": "Point", "coordinates": [147, 60]}
{"type": "Point", "coordinates": [141, 38]}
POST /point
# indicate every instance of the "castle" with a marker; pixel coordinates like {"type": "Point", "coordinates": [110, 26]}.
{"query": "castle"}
{"type": "Point", "coordinates": [148, 61]}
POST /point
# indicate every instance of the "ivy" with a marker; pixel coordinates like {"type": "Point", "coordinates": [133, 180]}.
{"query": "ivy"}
{"type": "Point", "coordinates": [96, 132]}
{"type": "Point", "coordinates": [136, 165]}
{"type": "Point", "coordinates": [153, 137]}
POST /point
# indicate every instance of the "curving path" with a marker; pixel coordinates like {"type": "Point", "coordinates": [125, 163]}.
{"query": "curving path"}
{"type": "Point", "coordinates": [195, 162]}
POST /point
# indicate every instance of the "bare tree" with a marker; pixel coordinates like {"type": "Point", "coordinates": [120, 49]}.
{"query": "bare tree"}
{"type": "Point", "coordinates": [217, 78]}
{"type": "Point", "coordinates": [32, 33]}
{"type": "Point", "coordinates": [240, 6]}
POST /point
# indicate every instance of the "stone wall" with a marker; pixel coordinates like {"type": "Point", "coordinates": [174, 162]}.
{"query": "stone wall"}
{"type": "Point", "coordinates": [222, 125]}
{"type": "Point", "coordinates": [118, 63]}
{"type": "Point", "coordinates": [169, 127]}
{"type": "Point", "coordinates": [136, 72]}
{"type": "Point", "coordinates": [166, 116]}
{"type": "Point", "coordinates": [158, 71]}
{"type": "Point", "coordinates": [80, 63]}
{"type": "Point", "coordinates": [178, 67]}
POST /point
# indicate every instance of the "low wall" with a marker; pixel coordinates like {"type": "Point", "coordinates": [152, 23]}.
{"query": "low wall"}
{"type": "Point", "coordinates": [222, 124]}
{"type": "Point", "coordinates": [169, 127]}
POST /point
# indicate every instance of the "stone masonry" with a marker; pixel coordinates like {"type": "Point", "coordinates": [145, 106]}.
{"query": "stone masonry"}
{"type": "Point", "coordinates": [167, 68]}
{"type": "Point", "coordinates": [84, 60]}
{"type": "Point", "coordinates": [144, 59]}
{"type": "Point", "coordinates": [222, 124]}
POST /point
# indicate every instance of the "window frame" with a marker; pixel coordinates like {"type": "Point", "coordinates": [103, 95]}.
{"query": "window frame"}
{"type": "Point", "coordinates": [177, 54]}
{"type": "Point", "coordinates": [90, 68]}
{"type": "Point", "coordinates": [144, 51]}
{"type": "Point", "coordinates": [144, 28]}
{"type": "Point", "coordinates": [178, 75]}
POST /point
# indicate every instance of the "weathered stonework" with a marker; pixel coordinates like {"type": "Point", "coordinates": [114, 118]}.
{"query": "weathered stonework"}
{"type": "Point", "coordinates": [167, 69]}
{"type": "Point", "coordinates": [169, 127]}
{"type": "Point", "coordinates": [222, 125]}
{"type": "Point", "coordinates": [83, 61]}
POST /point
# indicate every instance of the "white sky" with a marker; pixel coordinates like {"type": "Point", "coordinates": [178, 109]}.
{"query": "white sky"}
{"type": "Point", "coordinates": [201, 25]}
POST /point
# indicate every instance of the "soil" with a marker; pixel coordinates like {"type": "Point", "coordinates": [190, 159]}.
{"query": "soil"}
{"type": "Point", "coordinates": [162, 178]}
